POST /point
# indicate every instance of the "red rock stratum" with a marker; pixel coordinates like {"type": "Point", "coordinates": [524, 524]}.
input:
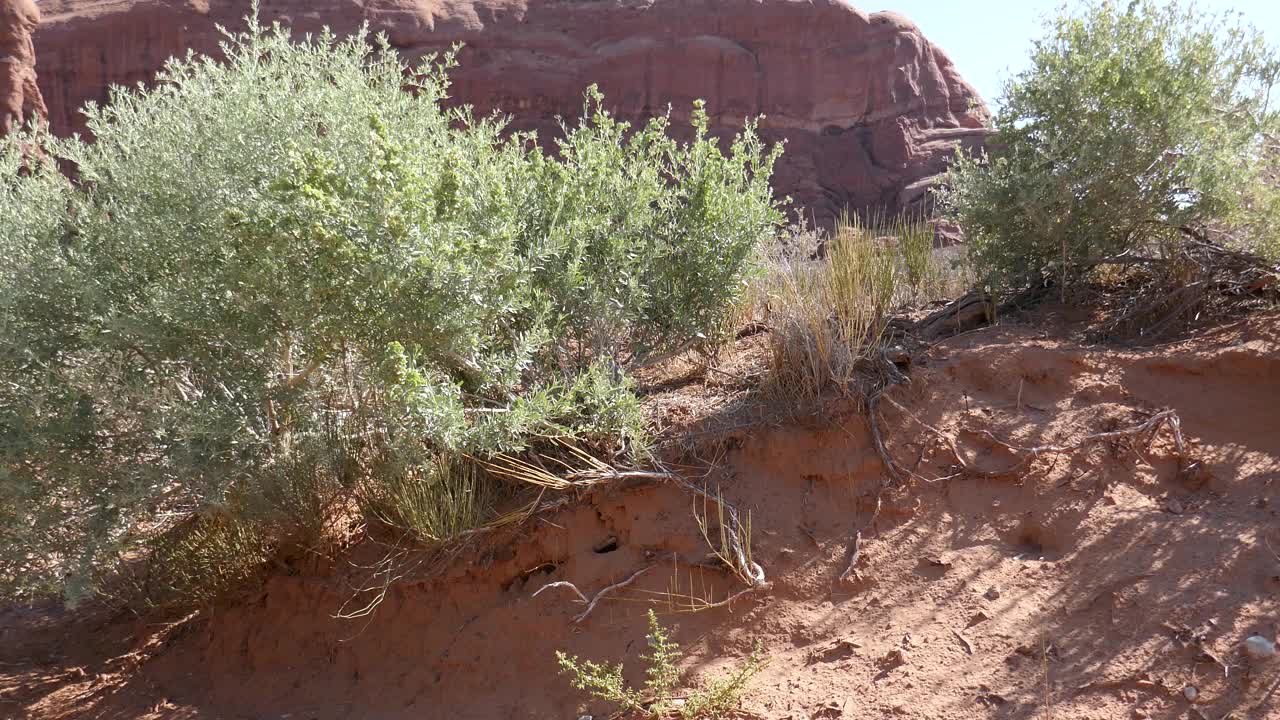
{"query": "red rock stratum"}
{"type": "Point", "coordinates": [870, 109]}
{"type": "Point", "coordinates": [20, 99]}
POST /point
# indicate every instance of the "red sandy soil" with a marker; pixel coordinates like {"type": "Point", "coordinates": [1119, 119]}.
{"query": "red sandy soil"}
{"type": "Point", "coordinates": [1095, 583]}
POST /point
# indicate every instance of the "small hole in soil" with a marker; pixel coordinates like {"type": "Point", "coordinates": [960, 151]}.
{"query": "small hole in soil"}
{"type": "Point", "coordinates": [1029, 545]}
{"type": "Point", "coordinates": [1033, 541]}
{"type": "Point", "coordinates": [607, 546]}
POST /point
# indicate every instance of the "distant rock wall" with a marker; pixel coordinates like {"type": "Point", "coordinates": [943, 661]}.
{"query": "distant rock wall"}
{"type": "Point", "coordinates": [20, 100]}
{"type": "Point", "coordinates": [870, 110]}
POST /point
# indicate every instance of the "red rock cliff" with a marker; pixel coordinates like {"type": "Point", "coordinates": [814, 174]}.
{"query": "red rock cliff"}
{"type": "Point", "coordinates": [20, 99]}
{"type": "Point", "coordinates": [869, 108]}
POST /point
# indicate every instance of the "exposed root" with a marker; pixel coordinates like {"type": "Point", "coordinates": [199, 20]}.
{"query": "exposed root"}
{"type": "Point", "coordinates": [734, 597]}
{"type": "Point", "coordinates": [1166, 418]}
{"type": "Point", "coordinates": [399, 563]}
{"type": "Point", "coordinates": [733, 551]}
{"type": "Point", "coordinates": [888, 375]}
{"type": "Point", "coordinates": [591, 604]}
{"type": "Point", "coordinates": [854, 556]}
{"type": "Point", "coordinates": [385, 573]}
{"type": "Point", "coordinates": [606, 591]}
{"type": "Point", "coordinates": [891, 467]}
{"type": "Point", "coordinates": [562, 583]}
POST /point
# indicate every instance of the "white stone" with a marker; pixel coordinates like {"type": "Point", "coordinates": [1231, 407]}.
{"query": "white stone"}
{"type": "Point", "coordinates": [1259, 648]}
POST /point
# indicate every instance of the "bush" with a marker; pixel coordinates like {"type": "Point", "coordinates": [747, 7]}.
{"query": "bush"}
{"type": "Point", "coordinates": [1136, 125]}
{"type": "Point", "coordinates": [713, 699]}
{"type": "Point", "coordinates": [282, 283]}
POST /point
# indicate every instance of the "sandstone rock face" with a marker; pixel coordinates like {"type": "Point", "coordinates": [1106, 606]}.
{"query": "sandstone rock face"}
{"type": "Point", "coordinates": [870, 110]}
{"type": "Point", "coordinates": [20, 100]}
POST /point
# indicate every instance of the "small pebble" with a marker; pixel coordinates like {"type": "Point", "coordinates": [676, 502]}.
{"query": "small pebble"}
{"type": "Point", "coordinates": [993, 593]}
{"type": "Point", "coordinates": [1190, 693]}
{"type": "Point", "coordinates": [1259, 648]}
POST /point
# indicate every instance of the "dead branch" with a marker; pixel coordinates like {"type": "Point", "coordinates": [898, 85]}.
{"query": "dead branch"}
{"type": "Point", "coordinates": [1200, 276]}
{"type": "Point", "coordinates": [970, 311]}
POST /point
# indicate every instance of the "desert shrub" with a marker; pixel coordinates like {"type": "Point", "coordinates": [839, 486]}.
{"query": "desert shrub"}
{"type": "Point", "coordinates": [709, 700]}
{"type": "Point", "coordinates": [282, 286]}
{"type": "Point", "coordinates": [676, 253]}
{"type": "Point", "coordinates": [1137, 124]}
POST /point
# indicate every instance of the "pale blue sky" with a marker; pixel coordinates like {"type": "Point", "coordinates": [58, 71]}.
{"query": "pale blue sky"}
{"type": "Point", "coordinates": [989, 41]}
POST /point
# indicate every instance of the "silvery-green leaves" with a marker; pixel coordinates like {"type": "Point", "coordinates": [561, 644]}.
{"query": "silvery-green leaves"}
{"type": "Point", "coordinates": [284, 271]}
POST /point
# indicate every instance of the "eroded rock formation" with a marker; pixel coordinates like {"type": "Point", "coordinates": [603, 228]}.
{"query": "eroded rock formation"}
{"type": "Point", "coordinates": [20, 100]}
{"type": "Point", "coordinates": [869, 108]}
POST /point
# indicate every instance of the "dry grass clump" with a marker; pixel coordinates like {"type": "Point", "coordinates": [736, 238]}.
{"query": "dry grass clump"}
{"type": "Point", "coordinates": [829, 315]}
{"type": "Point", "coordinates": [200, 559]}
{"type": "Point", "coordinates": [436, 502]}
